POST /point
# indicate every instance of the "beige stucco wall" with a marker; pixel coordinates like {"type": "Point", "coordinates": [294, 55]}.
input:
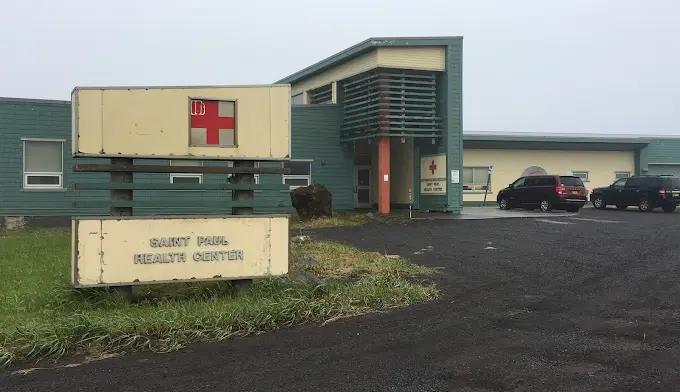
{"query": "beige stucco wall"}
{"type": "Point", "coordinates": [430, 58]}
{"type": "Point", "coordinates": [353, 67]}
{"type": "Point", "coordinates": [421, 58]}
{"type": "Point", "coordinates": [109, 250]}
{"type": "Point", "coordinates": [401, 170]}
{"type": "Point", "coordinates": [155, 121]}
{"type": "Point", "coordinates": [508, 165]}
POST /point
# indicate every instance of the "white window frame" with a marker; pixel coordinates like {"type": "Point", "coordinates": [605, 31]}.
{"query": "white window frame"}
{"type": "Point", "coordinates": [616, 175]}
{"type": "Point", "coordinates": [302, 98]}
{"type": "Point", "coordinates": [186, 175]}
{"type": "Point", "coordinates": [26, 174]}
{"type": "Point", "coordinates": [486, 178]}
{"type": "Point", "coordinates": [577, 172]}
{"type": "Point", "coordinates": [298, 177]}
{"type": "Point", "coordinates": [231, 164]}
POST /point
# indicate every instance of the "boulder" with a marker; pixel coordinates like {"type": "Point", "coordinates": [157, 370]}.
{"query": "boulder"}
{"type": "Point", "coordinates": [313, 201]}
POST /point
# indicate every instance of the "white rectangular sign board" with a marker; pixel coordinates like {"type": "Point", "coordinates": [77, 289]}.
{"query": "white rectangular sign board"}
{"type": "Point", "coordinates": [121, 251]}
{"type": "Point", "coordinates": [433, 174]}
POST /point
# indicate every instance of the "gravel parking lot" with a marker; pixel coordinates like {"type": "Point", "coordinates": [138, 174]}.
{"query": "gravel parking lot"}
{"type": "Point", "coordinates": [582, 303]}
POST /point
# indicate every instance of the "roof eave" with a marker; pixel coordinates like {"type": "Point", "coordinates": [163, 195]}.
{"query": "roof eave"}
{"type": "Point", "coordinates": [361, 48]}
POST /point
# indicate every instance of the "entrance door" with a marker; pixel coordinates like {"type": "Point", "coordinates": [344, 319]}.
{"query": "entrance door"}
{"type": "Point", "coordinates": [362, 186]}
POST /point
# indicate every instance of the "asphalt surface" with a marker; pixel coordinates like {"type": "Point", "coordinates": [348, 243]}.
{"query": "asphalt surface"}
{"type": "Point", "coordinates": [584, 303]}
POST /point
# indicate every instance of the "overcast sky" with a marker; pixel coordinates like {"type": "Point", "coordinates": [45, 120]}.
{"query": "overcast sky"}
{"type": "Point", "coordinates": [577, 66]}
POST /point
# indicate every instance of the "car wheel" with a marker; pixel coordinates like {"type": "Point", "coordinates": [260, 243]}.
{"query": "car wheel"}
{"type": "Point", "coordinates": [620, 207]}
{"type": "Point", "coordinates": [598, 202]}
{"type": "Point", "coordinates": [644, 205]}
{"type": "Point", "coordinates": [503, 204]}
{"type": "Point", "coordinates": [546, 205]}
{"type": "Point", "coordinates": [670, 208]}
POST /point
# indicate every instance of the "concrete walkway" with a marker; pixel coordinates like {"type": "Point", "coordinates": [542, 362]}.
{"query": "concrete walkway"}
{"type": "Point", "coordinates": [489, 213]}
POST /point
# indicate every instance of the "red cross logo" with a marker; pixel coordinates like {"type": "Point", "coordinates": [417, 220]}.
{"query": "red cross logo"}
{"type": "Point", "coordinates": [211, 117]}
{"type": "Point", "coordinates": [433, 167]}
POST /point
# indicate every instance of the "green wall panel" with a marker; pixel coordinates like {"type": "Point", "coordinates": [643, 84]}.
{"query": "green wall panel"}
{"type": "Point", "coordinates": [315, 133]}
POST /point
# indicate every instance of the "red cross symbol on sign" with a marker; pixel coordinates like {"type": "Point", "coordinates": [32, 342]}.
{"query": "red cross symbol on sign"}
{"type": "Point", "coordinates": [208, 118]}
{"type": "Point", "coordinates": [433, 167]}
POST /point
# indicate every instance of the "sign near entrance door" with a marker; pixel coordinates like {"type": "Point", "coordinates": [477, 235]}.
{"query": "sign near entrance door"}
{"type": "Point", "coordinates": [433, 174]}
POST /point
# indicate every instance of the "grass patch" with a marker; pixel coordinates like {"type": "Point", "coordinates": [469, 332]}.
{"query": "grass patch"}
{"type": "Point", "coordinates": [42, 317]}
{"type": "Point", "coordinates": [343, 219]}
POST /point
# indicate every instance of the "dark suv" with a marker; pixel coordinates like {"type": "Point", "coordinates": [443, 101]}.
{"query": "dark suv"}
{"type": "Point", "coordinates": [545, 192]}
{"type": "Point", "coordinates": [645, 192]}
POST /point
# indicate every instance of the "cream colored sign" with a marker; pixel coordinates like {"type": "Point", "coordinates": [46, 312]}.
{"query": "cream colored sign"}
{"type": "Point", "coordinates": [433, 174]}
{"type": "Point", "coordinates": [242, 122]}
{"type": "Point", "coordinates": [127, 251]}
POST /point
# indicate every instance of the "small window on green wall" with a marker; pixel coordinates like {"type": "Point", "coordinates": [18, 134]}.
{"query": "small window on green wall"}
{"type": "Point", "coordinates": [43, 164]}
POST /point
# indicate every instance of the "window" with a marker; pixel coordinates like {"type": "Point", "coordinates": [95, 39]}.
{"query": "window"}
{"type": "Point", "coordinates": [43, 164]}
{"type": "Point", "coordinates": [620, 183]}
{"type": "Point", "coordinates": [230, 176]}
{"type": "Point", "coordinates": [583, 175]}
{"type": "Point", "coordinates": [297, 99]}
{"type": "Point", "coordinates": [620, 175]}
{"type": "Point", "coordinates": [300, 174]}
{"type": "Point", "coordinates": [571, 181]}
{"type": "Point", "coordinates": [475, 178]}
{"type": "Point", "coordinates": [186, 178]}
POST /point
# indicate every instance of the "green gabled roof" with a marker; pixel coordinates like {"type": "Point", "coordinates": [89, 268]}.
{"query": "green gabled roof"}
{"type": "Point", "coordinates": [362, 48]}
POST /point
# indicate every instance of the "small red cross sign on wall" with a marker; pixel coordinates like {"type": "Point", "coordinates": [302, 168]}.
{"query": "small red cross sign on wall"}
{"type": "Point", "coordinates": [433, 167]}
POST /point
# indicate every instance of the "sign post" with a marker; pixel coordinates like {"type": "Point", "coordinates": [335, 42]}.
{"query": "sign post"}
{"type": "Point", "coordinates": [488, 185]}
{"type": "Point", "coordinates": [244, 125]}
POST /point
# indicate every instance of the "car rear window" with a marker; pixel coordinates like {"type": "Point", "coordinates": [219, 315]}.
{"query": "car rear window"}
{"type": "Point", "coordinates": [571, 181]}
{"type": "Point", "coordinates": [672, 183]}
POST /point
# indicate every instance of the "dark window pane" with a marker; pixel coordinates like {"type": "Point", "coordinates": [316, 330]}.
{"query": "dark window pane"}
{"type": "Point", "coordinates": [186, 180]}
{"type": "Point", "coordinates": [42, 180]}
{"type": "Point", "coordinates": [296, 182]}
{"type": "Point", "coordinates": [571, 181]}
{"type": "Point", "coordinates": [297, 168]}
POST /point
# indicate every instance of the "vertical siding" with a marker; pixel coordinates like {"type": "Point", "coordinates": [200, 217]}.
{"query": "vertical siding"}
{"type": "Point", "coordinates": [353, 67]}
{"type": "Point", "coordinates": [431, 58]}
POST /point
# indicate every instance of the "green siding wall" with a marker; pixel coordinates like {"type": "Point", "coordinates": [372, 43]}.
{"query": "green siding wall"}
{"type": "Point", "coordinates": [316, 135]}
{"type": "Point", "coordinates": [450, 102]}
{"type": "Point", "coordinates": [663, 151]}
{"type": "Point", "coordinates": [315, 131]}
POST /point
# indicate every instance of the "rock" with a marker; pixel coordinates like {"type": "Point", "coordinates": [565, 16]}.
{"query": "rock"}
{"type": "Point", "coordinates": [313, 201]}
{"type": "Point", "coordinates": [300, 238]}
{"type": "Point", "coordinates": [304, 276]}
{"type": "Point", "coordinates": [308, 260]}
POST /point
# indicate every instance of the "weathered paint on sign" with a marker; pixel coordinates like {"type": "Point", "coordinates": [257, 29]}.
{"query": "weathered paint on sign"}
{"type": "Point", "coordinates": [433, 174]}
{"type": "Point", "coordinates": [130, 250]}
{"type": "Point", "coordinates": [230, 123]}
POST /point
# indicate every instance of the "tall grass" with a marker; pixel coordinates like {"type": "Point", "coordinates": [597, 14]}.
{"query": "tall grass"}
{"type": "Point", "coordinates": [41, 316]}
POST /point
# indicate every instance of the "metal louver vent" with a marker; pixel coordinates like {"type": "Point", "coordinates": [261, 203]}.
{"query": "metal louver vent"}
{"type": "Point", "coordinates": [390, 103]}
{"type": "Point", "coordinates": [321, 95]}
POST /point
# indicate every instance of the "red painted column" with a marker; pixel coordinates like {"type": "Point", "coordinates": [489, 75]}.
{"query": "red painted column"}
{"type": "Point", "coordinates": [384, 175]}
{"type": "Point", "coordinates": [384, 153]}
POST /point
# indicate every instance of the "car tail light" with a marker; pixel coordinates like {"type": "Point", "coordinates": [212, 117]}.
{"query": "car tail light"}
{"type": "Point", "coordinates": [560, 190]}
{"type": "Point", "coordinates": [662, 192]}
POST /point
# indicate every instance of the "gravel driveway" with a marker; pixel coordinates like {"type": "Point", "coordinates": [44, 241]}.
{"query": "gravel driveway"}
{"type": "Point", "coordinates": [584, 303]}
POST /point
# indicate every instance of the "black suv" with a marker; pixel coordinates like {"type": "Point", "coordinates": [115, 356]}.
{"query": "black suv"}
{"type": "Point", "coordinates": [546, 192]}
{"type": "Point", "coordinates": [645, 192]}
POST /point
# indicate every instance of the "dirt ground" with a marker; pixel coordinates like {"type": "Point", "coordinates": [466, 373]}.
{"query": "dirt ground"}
{"type": "Point", "coordinates": [583, 303]}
